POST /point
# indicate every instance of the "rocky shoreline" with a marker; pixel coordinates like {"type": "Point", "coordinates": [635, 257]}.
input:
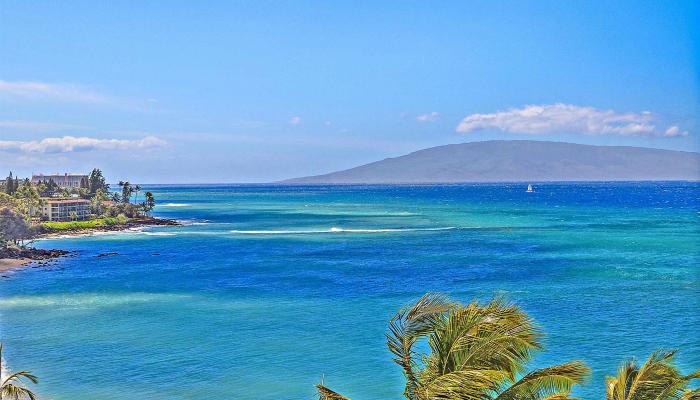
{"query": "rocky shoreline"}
{"type": "Point", "coordinates": [13, 258]}
{"type": "Point", "coordinates": [17, 257]}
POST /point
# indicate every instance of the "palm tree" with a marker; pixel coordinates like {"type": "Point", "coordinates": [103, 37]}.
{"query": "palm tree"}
{"type": "Point", "coordinates": [477, 352]}
{"type": "Point", "coordinates": [657, 379]}
{"type": "Point", "coordinates": [12, 386]}
{"type": "Point", "coordinates": [136, 189]}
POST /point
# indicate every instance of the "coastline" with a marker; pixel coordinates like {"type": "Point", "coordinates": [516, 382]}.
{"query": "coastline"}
{"type": "Point", "coordinates": [16, 258]}
{"type": "Point", "coordinates": [143, 222]}
{"type": "Point", "coordinates": [13, 259]}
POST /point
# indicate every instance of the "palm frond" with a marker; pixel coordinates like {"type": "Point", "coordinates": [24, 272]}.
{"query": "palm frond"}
{"type": "Point", "coordinates": [463, 385]}
{"type": "Point", "coordinates": [658, 379]}
{"type": "Point", "coordinates": [497, 336]}
{"type": "Point", "coordinates": [690, 395]}
{"type": "Point", "coordinates": [12, 386]}
{"type": "Point", "coordinates": [410, 324]}
{"type": "Point", "coordinates": [657, 364]}
{"type": "Point", "coordinates": [325, 393]}
{"type": "Point", "coordinates": [17, 377]}
{"type": "Point", "coordinates": [546, 382]}
{"type": "Point", "coordinates": [14, 392]}
{"type": "Point", "coordinates": [559, 396]}
{"type": "Point", "coordinates": [618, 386]}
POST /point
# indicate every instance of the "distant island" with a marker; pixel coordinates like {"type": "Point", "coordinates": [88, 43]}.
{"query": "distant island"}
{"type": "Point", "coordinates": [520, 161]}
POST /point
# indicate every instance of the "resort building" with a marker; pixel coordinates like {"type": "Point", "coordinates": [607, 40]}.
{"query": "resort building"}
{"type": "Point", "coordinates": [72, 209]}
{"type": "Point", "coordinates": [65, 181]}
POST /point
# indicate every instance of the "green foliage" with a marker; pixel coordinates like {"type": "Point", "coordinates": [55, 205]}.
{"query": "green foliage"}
{"type": "Point", "coordinates": [77, 225]}
{"type": "Point", "coordinates": [13, 227]}
{"type": "Point", "coordinates": [11, 184]}
{"type": "Point", "coordinates": [477, 352]}
{"type": "Point", "coordinates": [96, 182]}
{"type": "Point", "coordinates": [13, 386]}
{"type": "Point", "coordinates": [127, 191]}
{"type": "Point", "coordinates": [325, 393]}
{"type": "Point", "coordinates": [7, 201]}
{"type": "Point", "coordinates": [657, 379]}
{"type": "Point", "coordinates": [150, 203]}
{"type": "Point", "coordinates": [98, 199]}
{"type": "Point", "coordinates": [28, 199]}
{"type": "Point", "coordinates": [48, 188]}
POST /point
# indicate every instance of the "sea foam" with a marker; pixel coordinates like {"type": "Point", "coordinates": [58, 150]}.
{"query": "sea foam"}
{"type": "Point", "coordinates": [337, 230]}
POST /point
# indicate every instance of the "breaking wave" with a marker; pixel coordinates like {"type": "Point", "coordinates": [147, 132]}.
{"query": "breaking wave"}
{"type": "Point", "coordinates": [337, 230]}
{"type": "Point", "coordinates": [175, 205]}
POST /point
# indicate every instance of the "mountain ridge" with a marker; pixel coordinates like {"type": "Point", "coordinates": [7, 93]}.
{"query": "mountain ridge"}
{"type": "Point", "coordinates": [520, 161]}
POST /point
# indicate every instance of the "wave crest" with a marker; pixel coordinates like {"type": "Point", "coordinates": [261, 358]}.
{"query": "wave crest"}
{"type": "Point", "coordinates": [337, 230]}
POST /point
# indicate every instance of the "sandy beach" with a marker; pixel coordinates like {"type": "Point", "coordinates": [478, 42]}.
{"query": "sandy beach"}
{"type": "Point", "coordinates": [8, 264]}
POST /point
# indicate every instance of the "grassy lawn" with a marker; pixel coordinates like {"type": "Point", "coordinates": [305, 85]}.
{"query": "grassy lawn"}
{"type": "Point", "coordinates": [72, 225]}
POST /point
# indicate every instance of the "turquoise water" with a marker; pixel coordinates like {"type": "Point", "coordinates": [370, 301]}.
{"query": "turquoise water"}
{"type": "Point", "coordinates": [266, 288]}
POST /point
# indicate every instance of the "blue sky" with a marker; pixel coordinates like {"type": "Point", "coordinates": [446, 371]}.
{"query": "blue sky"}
{"type": "Point", "coordinates": [259, 91]}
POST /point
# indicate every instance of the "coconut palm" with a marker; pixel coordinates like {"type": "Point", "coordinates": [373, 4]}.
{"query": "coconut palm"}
{"type": "Point", "coordinates": [476, 352]}
{"type": "Point", "coordinates": [658, 378]}
{"type": "Point", "coordinates": [136, 190]}
{"type": "Point", "coordinates": [12, 386]}
{"type": "Point", "coordinates": [326, 394]}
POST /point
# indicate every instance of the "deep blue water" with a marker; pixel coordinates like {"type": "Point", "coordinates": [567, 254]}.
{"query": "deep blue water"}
{"type": "Point", "coordinates": [266, 288]}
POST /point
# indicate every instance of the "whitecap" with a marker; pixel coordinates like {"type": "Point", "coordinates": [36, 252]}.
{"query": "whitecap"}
{"type": "Point", "coordinates": [175, 205]}
{"type": "Point", "coordinates": [158, 233]}
{"type": "Point", "coordinates": [337, 230]}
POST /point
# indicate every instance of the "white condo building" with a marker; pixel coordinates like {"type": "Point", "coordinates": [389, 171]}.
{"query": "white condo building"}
{"type": "Point", "coordinates": [66, 180]}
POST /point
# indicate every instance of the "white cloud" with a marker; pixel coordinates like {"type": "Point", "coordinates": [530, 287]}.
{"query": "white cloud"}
{"type": "Point", "coordinates": [68, 144]}
{"type": "Point", "coordinates": [295, 120]}
{"type": "Point", "coordinates": [566, 118]}
{"type": "Point", "coordinates": [428, 117]}
{"type": "Point", "coordinates": [674, 130]}
{"type": "Point", "coordinates": [50, 91]}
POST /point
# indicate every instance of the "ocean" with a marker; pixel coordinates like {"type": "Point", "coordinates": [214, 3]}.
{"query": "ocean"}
{"type": "Point", "coordinates": [264, 290]}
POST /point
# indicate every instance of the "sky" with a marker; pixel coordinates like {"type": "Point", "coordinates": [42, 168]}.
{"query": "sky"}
{"type": "Point", "coordinates": [259, 91]}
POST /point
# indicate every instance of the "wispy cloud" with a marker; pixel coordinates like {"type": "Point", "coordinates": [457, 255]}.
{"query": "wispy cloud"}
{"type": "Point", "coordinates": [37, 126]}
{"type": "Point", "coordinates": [51, 91]}
{"type": "Point", "coordinates": [428, 117]}
{"type": "Point", "coordinates": [295, 120]}
{"type": "Point", "coordinates": [566, 118]}
{"type": "Point", "coordinates": [68, 144]}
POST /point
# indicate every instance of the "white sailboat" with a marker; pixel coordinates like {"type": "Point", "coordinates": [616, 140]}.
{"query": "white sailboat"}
{"type": "Point", "coordinates": [530, 189]}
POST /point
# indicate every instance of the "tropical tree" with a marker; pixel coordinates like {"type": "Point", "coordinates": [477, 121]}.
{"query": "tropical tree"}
{"type": "Point", "coordinates": [10, 184]}
{"type": "Point", "coordinates": [13, 227]}
{"type": "Point", "coordinates": [477, 352]}
{"type": "Point", "coordinates": [150, 203]}
{"type": "Point", "coordinates": [115, 197]}
{"type": "Point", "coordinates": [127, 191]}
{"type": "Point", "coordinates": [47, 188]}
{"type": "Point", "coordinates": [7, 201]}
{"type": "Point", "coordinates": [96, 181]}
{"type": "Point", "coordinates": [28, 199]}
{"type": "Point", "coordinates": [136, 190]}
{"type": "Point", "coordinates": [97, 200]}
{"type": "Point", "coordinates": [658, 378]}
{"type": "Point", "coordinates": [13, 385]}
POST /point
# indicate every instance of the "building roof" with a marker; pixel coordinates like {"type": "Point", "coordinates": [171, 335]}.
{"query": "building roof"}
{"type": "Point", "coordinates": [62, 201]}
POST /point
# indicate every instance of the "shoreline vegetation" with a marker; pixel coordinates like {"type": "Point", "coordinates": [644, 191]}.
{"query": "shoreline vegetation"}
{"type": "Point", "coordinates": [39, 209]}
